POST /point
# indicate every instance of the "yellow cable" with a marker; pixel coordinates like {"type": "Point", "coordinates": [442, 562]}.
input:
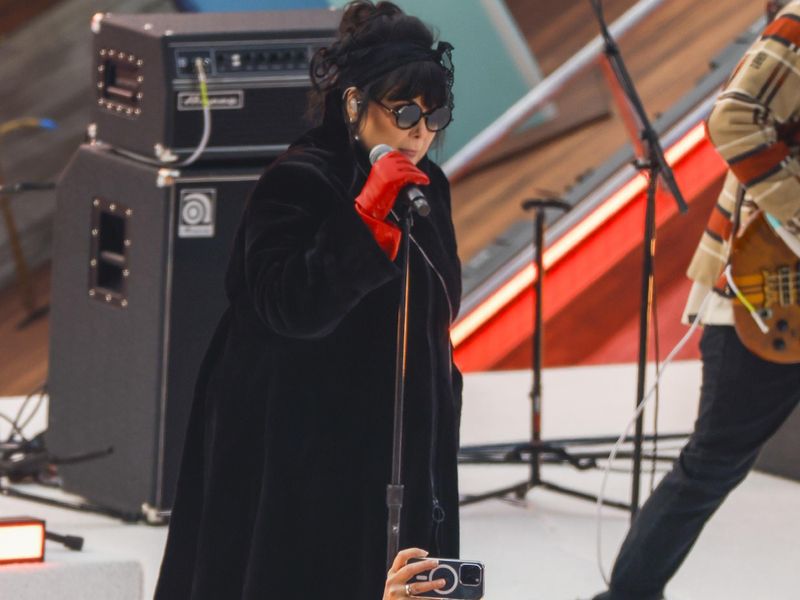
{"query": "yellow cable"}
{"type": "Point", "coordinates": [752, 309]}
{"type": "Point", "coordinates": [201, 75]}
{"type": "Point", "coordinates": [13, 124]}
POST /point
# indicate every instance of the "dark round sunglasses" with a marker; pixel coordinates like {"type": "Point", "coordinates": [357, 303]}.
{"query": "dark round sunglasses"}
{"type": "Point", "coordinates": [408, 115]}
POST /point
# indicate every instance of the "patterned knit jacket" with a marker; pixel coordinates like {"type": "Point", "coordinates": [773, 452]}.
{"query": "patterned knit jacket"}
{"type": "Point", "coordinates": [755, 126]}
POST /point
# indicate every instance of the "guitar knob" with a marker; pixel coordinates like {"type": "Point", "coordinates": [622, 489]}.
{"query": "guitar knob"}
{"type": "Point", "coordinates": [782, 325]}
{"type": "Point", "coordinates": [779, 344]}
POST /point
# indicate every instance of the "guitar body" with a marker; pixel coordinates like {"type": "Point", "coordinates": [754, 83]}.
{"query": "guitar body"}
{"type": "Point", "coordinates": [766, 271]}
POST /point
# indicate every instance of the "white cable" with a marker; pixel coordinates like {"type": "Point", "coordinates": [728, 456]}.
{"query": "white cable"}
{"type": "Point", "coordinates": [743, 299]}
{"type": "Point", "coordinates": [678, 347]}
{"type": "Point", "coordinates": [201, 147]}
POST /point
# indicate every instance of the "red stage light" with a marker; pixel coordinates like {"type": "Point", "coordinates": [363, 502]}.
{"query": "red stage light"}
{"type": "Point", "coordinates": [21, 540]}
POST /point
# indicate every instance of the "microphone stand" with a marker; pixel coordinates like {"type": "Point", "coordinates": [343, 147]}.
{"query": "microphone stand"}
{"type": "Point", "coordinates": [35, 463]}
{"type": "Point", "coordinates": [653, 163]}
{"type": "Point", "coordinates": [394, 490]}
{"type": "Point", "coordinates": [26, 186]}
{"type": "Point", "coordinates": [537, 451]}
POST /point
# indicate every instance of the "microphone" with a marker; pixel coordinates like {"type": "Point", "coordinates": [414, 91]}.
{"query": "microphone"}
{"type": "Point", "coordinates": [413, 194]}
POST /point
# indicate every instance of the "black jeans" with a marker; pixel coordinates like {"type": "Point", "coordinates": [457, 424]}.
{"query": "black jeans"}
{"type": "Point", "coordinates": [743, 401]}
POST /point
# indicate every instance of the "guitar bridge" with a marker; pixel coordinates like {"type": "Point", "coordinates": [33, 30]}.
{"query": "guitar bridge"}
{"type": "Point", "coordinates": [780, 287]}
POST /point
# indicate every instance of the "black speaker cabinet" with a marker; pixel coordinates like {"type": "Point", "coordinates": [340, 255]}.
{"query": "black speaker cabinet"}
{"type": "Point", "coordinates": [138, 268]}
{"type": "Point", "coordinates": [257, 65]}
{"type": "Point", "coordinates": [780, 454]}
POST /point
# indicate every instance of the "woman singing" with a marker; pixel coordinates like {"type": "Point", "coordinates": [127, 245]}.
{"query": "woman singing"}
{"type": "Point", "coordinates": [288, 453]}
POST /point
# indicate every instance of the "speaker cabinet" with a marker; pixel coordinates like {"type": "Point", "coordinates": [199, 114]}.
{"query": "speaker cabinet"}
{"type": "Point", "coordinates": [139, 261]}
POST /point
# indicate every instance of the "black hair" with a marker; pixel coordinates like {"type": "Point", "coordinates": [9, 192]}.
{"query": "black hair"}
{"type": "Point", "coordinates": [366, 25]}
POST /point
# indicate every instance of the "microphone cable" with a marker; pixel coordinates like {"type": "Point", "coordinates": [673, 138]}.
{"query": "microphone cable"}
{"type": "Point", "coordinates": [657, 357]}
{"type": "Point", "coordinates": [18, 424]}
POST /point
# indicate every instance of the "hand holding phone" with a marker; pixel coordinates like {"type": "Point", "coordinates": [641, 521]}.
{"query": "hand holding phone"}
{"type": "Point", "coordinates": [399, 579]}
{"type": "Point", "coordinates": [463, 579]}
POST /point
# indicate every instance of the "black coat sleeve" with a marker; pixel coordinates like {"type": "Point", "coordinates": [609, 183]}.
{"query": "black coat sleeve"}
{"type": "Point", "coordinates": [309, 258]}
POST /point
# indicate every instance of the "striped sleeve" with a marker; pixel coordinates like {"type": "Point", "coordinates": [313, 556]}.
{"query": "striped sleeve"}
{"type": "Point", "coordinates": [760, 102]}
{"type": "Point", "coordinates": [712, 252]}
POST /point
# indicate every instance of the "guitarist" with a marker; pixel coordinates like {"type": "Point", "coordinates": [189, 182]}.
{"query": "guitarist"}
{"type": "Point", "coordinates": [744, 399]}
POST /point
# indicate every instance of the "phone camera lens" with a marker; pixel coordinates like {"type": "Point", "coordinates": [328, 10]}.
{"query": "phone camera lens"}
{"type": "Point", "coordinates": [470, 574]}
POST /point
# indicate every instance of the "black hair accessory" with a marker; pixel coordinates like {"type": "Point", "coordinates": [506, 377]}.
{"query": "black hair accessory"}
{"type": "Point", "coordinates": [376, 61]}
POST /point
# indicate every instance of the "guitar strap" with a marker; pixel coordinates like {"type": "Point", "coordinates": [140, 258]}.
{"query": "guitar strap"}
{"type": "Point", "coordinates": [722, 288]}
{"type": "Point", "coordinates": [737, 211]}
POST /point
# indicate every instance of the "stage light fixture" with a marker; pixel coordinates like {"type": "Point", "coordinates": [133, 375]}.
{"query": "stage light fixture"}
{"type": "Point", "coordinates": [21, 540]}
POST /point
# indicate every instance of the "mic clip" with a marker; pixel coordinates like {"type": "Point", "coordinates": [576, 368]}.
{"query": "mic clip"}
{"type": "Point", "coordinates": [416, 201]}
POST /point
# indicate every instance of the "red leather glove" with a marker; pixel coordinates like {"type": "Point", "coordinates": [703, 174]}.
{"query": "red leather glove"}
{"type": "Point", "coordinates": [390, 174]}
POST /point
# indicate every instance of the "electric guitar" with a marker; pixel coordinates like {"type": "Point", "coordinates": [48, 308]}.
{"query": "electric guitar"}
{"type": "Point", "coordinates": [766, 309]}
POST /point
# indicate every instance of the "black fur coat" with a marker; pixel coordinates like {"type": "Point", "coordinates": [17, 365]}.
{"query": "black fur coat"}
{"type": "Point", "coordinates": [288, 453]}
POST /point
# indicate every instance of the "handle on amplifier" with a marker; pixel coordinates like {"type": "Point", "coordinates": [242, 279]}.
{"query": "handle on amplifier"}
{"type": "Point", "coordinates": [108, 263]}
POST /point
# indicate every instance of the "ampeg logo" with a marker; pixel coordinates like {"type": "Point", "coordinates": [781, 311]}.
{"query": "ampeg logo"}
{"type": "Point", "coordinates": [227, 100]}
{"type": "Point", "coordinates": [198, 210]}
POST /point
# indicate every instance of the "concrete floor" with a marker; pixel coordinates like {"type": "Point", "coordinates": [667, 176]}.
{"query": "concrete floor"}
{"type": "Point", "coordinates": [545, 548]}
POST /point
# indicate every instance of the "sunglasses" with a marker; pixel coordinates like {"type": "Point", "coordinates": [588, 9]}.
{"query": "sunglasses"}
{"type": "Point", "coordinates": [408, 115]}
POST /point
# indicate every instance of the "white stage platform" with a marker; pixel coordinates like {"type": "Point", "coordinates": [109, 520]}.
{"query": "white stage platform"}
{"type": "Point", "coordinates": [74, 576]}
{"type": "Point", "coordinates": [545, 549]}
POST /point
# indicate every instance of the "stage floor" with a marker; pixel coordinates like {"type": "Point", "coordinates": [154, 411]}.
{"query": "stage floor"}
{"type": "Point", "coordinates": [546, 548]}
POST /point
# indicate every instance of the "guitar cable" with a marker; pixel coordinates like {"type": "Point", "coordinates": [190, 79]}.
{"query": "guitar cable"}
{"type": "Point", "coordinates": [639, 409]}
{"type": "Point", "coordinates": [743, 299]}
{"type": "Point", "coordinates": [202, 80]}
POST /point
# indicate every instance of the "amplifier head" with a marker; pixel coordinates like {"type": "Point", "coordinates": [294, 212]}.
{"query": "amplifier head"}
{"type": "Point", "coordinates": [147, 91]}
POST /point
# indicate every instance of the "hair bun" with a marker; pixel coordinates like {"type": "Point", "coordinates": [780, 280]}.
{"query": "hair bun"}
{"type": "Point", "coordinates": [354, 59]}
{"type": "Point", "coordinates": [358, 14]}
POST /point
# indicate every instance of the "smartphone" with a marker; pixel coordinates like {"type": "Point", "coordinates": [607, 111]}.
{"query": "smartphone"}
{"type": "Point", "coordinates": [464, 579]}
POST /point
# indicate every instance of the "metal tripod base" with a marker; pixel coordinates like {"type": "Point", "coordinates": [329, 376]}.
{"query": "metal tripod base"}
{"type": "Point", "coordinates": [549, 452]}
{"type": "Point", "coordinates": [520, 490]}
{"type": "Point", "coordinates": [127, 517]}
